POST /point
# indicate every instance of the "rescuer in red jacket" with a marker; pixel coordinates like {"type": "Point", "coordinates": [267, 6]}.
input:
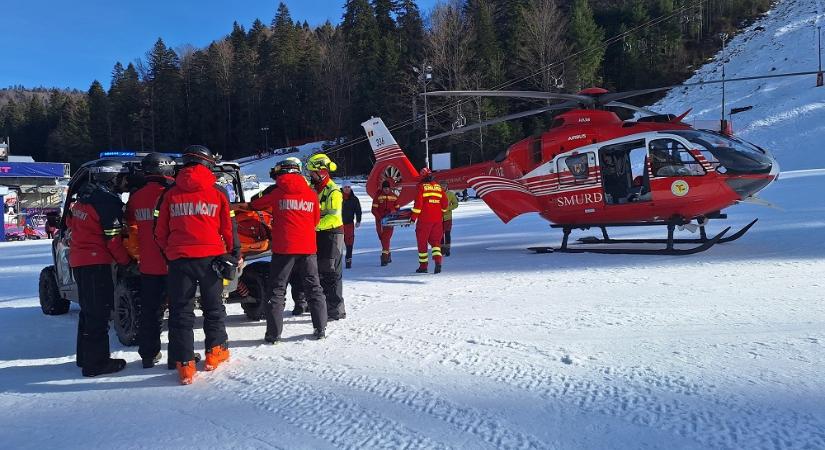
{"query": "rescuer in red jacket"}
{"type": "Point", "coordinates": [384, 203]}
{"type": "Point", "coordinates": [159, 171]}
{"type": "Point", "coordinates": [194, 232]}
{"type": "Point", "coordinates": [428, 210]}
{"type": "Point", "coordinates": [295, 214]}
{"type": "Point", "coordinates": [95, 225]}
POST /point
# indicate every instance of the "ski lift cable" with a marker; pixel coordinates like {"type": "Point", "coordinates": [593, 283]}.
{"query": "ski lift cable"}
{"type": "Point", "coordinates": [604, 44]}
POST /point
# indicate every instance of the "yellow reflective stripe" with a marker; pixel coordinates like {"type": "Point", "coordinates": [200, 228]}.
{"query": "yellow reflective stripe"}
{"type": "Point", "coordinates": [436, 251]}
{"type": "Point", "coordinates": [231, 213]}
{"type": "Point", "coordinates": [112, 231]}
{"type": "Point", "coordinates": [156, 213]}
{"type": "Point", "coordinates": [432, 194]}
{"type": "Point", "coordinates": [385, 252]}
{"type": "Point", "coordinates": [444, 210]}
{"type": "Point", "coordinates": [416, 210]}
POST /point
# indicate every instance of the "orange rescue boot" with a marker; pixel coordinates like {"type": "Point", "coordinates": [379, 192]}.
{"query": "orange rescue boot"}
{"type": "Point", "coordinates": [186, 371]}
{"type": "Point", "coordinates": [215, 356]}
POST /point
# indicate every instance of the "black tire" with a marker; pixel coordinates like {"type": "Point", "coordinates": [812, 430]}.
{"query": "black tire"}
{"type": "Point", "coordinates": [253, 311]}
{"type": "Point", "coordinates": [254, 277]}
{"type": "Point", "coordinates": [50, 301]}
{"type": "Point", "coordinates": [125, 314]}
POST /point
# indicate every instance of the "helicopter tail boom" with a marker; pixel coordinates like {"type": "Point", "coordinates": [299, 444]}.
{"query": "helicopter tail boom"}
{"type": "Point", "coordinates": [391, 164]}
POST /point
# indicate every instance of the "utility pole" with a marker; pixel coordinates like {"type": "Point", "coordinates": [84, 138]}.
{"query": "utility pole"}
{"type": "Point", "coordinates": [266, 139]}
{"type": "Point", "coordinates": [425, 75]}
{"type": "Point", "coordinates": [723, 124]}
{"type": "Point", "coordinates": [819, 78]}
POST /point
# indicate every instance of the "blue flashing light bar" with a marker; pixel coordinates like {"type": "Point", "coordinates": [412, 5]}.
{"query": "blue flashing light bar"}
{"type": "Point", "coordinates": [132, 154]}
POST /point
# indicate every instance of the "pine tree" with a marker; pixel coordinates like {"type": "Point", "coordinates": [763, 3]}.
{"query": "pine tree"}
{"type": "Point", "coordinates": [586, 39]}
{"type": "Point", "coordinates": [70, 141]}
{"type": "Point", "coordinates": [163, 86]}
{"type": "Point", "coordinates": [100, 130]}
{"type": "Point", "coordinates": [360, 30]}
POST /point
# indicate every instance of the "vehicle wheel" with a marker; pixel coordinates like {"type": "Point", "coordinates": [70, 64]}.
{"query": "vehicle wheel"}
{"type": "Point", "coordinates": [252, 310]}
{"type": "Point", "coordinates": [254, 277]}
{"type": "Point", "coordinates": [125, 316]}
{"type": "Point", "coordinates": [50, 301]}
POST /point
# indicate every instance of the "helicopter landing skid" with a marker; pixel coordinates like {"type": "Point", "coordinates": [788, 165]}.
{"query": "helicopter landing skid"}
{"type": "Point", "coordinates": [704, 241]}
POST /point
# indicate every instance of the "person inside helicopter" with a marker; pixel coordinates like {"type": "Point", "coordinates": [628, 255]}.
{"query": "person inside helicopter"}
{"type": "Point", "coordinates": [623, 173]}
{"type": "Point", "coordinates": [669, 158]}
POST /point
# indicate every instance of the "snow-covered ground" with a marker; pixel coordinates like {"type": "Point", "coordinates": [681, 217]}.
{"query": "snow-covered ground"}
{"type": "Point", "coordinates": [505, 349]}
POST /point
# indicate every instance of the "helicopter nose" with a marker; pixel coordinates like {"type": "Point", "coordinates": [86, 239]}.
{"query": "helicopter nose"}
{"type": "Point", "coordinates": [746, 185]}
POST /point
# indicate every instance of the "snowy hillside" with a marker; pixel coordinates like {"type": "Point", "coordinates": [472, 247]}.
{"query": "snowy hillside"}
{"type": "Point", "coordinates": [788, 115]}
{"type": "Point", "coordinates": [505, 348]}
{"type": "Point", "coordinates": [260, 167]}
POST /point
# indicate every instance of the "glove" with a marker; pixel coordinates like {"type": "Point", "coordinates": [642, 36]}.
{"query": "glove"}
{"type": "Point", "coordinates": [225, 266]}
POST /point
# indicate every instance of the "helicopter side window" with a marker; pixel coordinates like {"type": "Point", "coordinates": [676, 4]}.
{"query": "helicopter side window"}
{"type": "Point", "coordinates": [578, 166]}
{"type": "Point", "coordinates": [669, 158]}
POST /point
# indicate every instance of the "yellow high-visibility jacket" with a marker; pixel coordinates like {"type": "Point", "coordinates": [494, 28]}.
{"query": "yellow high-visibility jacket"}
{"type": "Point", "coordinates": [332, 201]}
{"type": "Point", "coordinates": [453, 204]}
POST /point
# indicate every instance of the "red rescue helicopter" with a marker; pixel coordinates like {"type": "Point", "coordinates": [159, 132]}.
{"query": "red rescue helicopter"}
{"type": "Point", "coordinates": [593, 169]}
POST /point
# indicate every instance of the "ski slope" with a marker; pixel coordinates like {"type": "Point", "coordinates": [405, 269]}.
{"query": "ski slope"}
{"type": "Point", "coordinates": [788, 114]}
{"type": "Point", "coordinates": [505, 348]}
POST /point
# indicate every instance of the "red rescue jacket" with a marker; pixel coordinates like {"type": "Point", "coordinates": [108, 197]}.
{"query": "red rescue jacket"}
{"type": "Point", "coordinates": [383, 204]}
{"type": "Point", "coordinates": [194, 218]}
{"type": "Point", "coordinates": [430, 203]}
{"type": "Point", "coordinates": [96, 224]}
{"type": "Point", "coordinates": [140, 211]}
{"type": "Point", "coordinates": [295, 214]}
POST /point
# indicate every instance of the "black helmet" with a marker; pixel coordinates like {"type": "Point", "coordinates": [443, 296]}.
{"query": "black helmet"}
{"type": "Point", "coordinates": [198, 154]}
{"type": "Point", "coordinates": [158, 164]}
{"type": "Point", "coordinates": [289, 165]}
{"type": "Point", "coordinates": [106, 171]}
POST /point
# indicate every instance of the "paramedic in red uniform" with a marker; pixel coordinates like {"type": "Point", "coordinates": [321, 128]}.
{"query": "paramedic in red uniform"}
{"type": "Point", "coordinates": [295, 214]}
{"type": "Point", "coordinates": [194, 231]}
{"type": "Point", "coordinates": [96, 223]}
{"type": "Point", "coordinates": [428, 210]}
{"type": "Point", "coordinates": [159, 170]}
{"type": "Point", "coordinates": [384, 203]}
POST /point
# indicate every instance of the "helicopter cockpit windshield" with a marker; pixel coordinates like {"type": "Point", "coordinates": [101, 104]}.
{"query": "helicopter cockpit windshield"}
{"type": "Point", "coordinates": [728, 154]}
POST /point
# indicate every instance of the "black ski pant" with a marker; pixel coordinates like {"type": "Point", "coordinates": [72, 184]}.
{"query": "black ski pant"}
{"type": "Point", "coordinates": [96, 294]}
{"type": "Point", "coordinates": [185, 276]}
{"type": "Point", "coordinates": [152, 302]}
{"type": "Point", "coordinates": [281, 270]}
{"type": "Point", "coordinates": [330, 252]}
{"type": "Point", "coordinates": [296, 284]}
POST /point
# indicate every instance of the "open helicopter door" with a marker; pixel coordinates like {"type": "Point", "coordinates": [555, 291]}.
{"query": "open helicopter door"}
{"type": "Point", "coordinates": [625, 177]}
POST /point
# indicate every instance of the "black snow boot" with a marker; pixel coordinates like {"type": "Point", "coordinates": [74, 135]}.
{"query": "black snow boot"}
{"type": "Point", "coordinates": [110, 366]}
{"type": "Point", "coordinates": [437, 268]}
{"type": "Point", "coordinates": [148, 363]}
{"type": "Point", "coordinates": [384, 260]}
{"type": "Point", "coordinates": [349, 263]}
{"type": "Point", "coordinates": [270, 339]}
{"type": "Point", "coordinates": [319, 333]}
{"type": "Point", "coordinates": [299, 310]}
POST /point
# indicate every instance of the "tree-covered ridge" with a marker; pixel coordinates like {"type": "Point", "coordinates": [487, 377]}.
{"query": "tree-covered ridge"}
{"type": "Point", "coordinates": [312, 83]}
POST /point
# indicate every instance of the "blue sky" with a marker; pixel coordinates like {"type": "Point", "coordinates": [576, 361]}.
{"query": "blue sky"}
{"type": "Point", "coordinates": [60, 43]}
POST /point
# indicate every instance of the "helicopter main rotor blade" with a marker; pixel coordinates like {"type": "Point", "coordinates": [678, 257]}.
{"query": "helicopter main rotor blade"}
{"type": "Point", "coordinates": [607, 98]}
{"type": "Point", "coordinates": [633, 108]}
{"type": "Point", "coordinates": [583, 99]}
{"type": "Point", "coordinates": [518, 115]}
